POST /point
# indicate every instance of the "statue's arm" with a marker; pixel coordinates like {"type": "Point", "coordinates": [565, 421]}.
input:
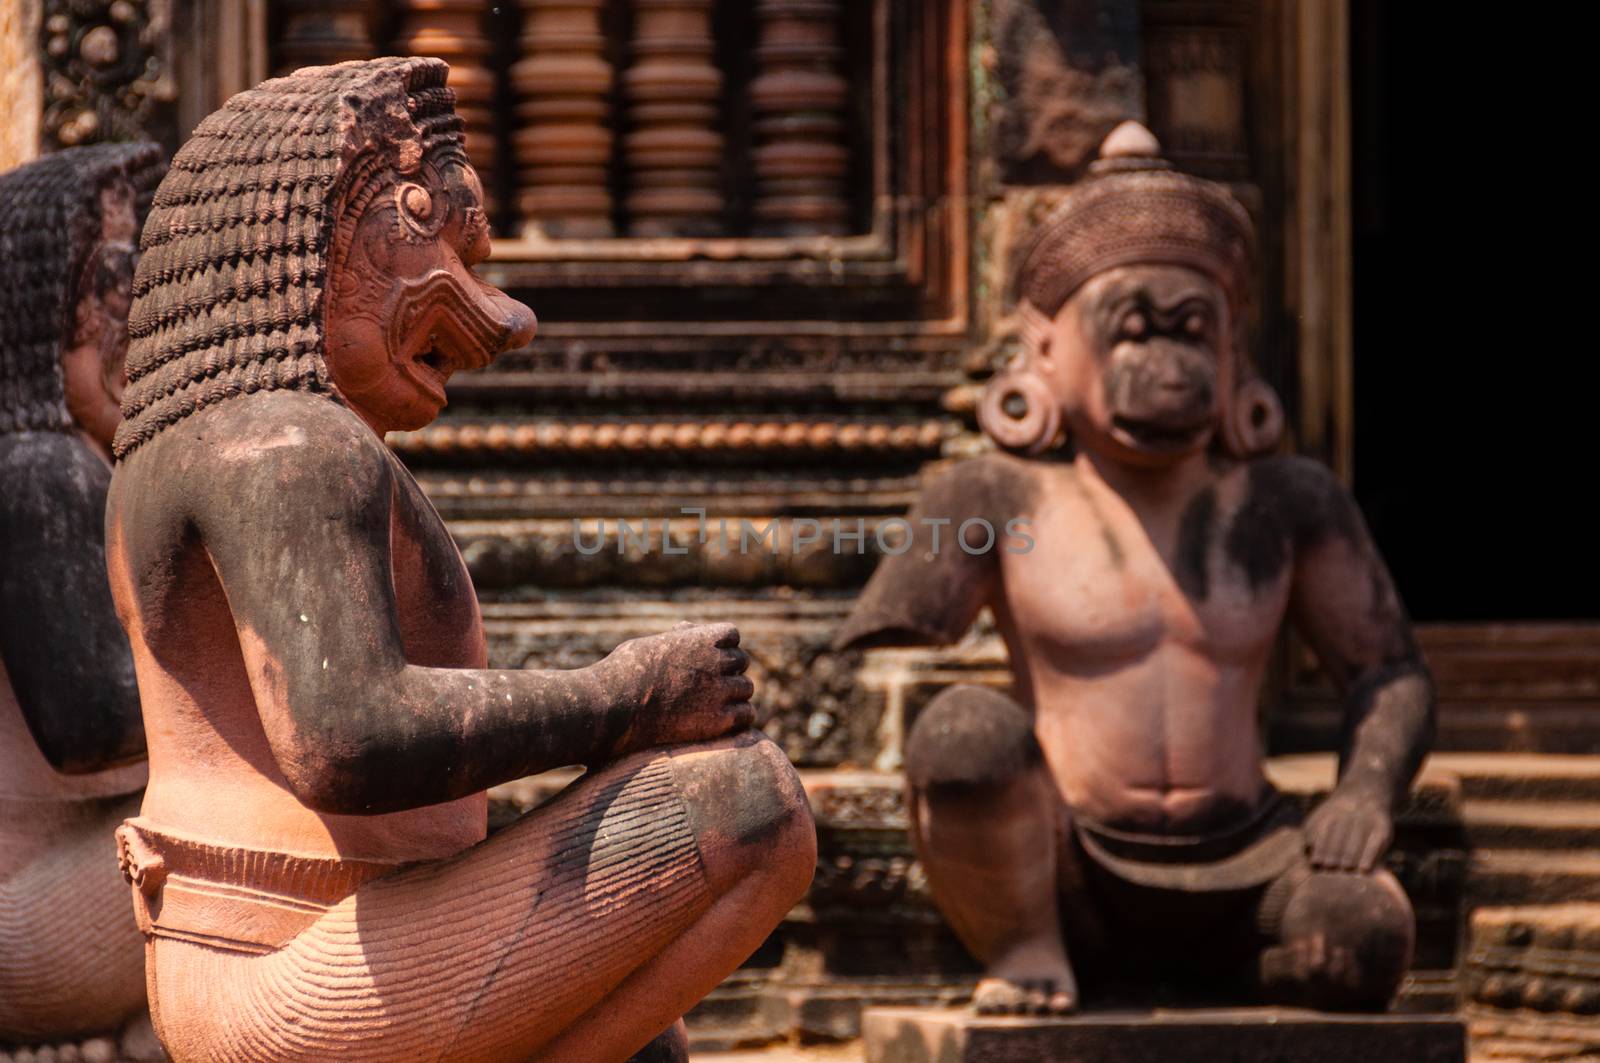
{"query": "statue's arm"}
{"type": "Point", "coordinates": [1344, 602]}
{"type": "Point", "coordinates": [929, 593]}
{"type": "Point", "coordinates": [63, 648]}
{"type": "Point", "coordinates": [299, 536]}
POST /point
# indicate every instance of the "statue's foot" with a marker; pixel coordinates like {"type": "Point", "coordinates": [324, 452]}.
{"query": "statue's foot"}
{"type": "Point", "coordinates": [1028, 982]}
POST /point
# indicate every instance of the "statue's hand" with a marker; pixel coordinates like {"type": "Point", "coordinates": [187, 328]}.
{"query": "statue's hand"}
{"type": "Point", "coordinates": [1348, 832]}
{"type": "Point", "coordinates": [684, 685]}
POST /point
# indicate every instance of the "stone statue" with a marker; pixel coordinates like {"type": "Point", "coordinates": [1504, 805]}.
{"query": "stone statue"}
{"type": "Point", "coordinates": [310, 864]}
{"type": "Point", "coordinates": [1143, 546]}
{"type": "Point", "coordinates": [71, 741]}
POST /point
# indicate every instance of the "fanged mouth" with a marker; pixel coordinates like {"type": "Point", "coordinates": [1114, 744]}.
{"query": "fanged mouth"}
{"type": "Point", "coordinates": [1156, 435]}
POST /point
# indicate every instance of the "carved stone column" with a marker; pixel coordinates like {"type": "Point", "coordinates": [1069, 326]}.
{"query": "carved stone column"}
{"type": "Point", "coordinates": [799, 98]}
{"type": "Point", "coordinates": [319, 32]}
{"type": "Point", "coordinates": [563, 138]}
{"type": "Point", "coordinates": [674, 153]}
{"type": "Point", "coordinates": [453, 30]}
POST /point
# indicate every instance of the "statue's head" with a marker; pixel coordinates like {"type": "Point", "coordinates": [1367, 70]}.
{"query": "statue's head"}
{"type": "Point", "coordinates": [318, 234]}
{"type": "Point", "coordinates": [69, 224]}
{"type": "Point", "coordinates": [1134, 298]}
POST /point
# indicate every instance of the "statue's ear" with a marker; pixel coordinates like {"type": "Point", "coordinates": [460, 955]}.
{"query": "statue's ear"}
{"type": "Point", "coordinates": [1018, 409]}
{"type": "Point", "coordinates": [1019, 412]}
{"type": "Point", "coordinates": [1252, 419]}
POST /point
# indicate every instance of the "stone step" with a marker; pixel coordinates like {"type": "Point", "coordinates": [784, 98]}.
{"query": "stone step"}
{"type": "Point", "coordinates": [1488, 776]}
{"type": "Point", "coordinates": [1244, 1035]}
{"type": "Point", "coordinates": [784, 1053]}
{"type": "Point", "coordinates": [1522, 776]}
{"type": "Point", "coordinates": [1502, 824]}
{"type": "Point", "coordinates": [1532, 876]}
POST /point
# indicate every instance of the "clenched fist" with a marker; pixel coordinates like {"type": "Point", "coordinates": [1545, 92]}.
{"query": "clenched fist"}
{"type": "Point", "coordinates": [684, 685]}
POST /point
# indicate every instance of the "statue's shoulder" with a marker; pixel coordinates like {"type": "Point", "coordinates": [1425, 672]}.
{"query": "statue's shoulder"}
{"type": "Point", "coordinates": [256, 449]}
{"type": "Point", "coordinates": [62, 456]}
{"type": "Point", "coordinates": [1301, 494]}
{"type": "Point", "coordinates": [50, 473]}
{"type": "Point", "coordinates": [993, 485]}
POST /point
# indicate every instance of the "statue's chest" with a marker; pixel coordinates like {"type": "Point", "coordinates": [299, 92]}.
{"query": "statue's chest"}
{"type": "Point", "coordinates": [440, 624]}
{"type": "Point", "coordinates": [1101, 585]}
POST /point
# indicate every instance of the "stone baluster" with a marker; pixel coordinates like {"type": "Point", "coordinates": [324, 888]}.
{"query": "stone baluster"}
{"type": "Point", "coordinates": [319, 32]}
{"type": "Point", "coordinates": [454, 30]}
{"type": "Point", "coordinates": [563, 138]}
{"type": "Point", "coordinates": [673, 152]}
{"type": "Point", "coordinates": [799, 97]}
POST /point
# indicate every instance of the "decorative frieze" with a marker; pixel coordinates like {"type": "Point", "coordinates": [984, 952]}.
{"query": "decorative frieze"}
{"type": "Point", "coordinates": [107, 68]}
{"type": "Point", "coordinates": [776, 435]}
{"type": "Point", "coordinates": [1063, 76]}
{"type": "Point", "coordinates": [1533, 982]}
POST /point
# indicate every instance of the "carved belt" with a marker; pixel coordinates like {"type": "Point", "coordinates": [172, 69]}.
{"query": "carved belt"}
{"type": "Point", "coordinates": [1265, 845]}
{"type": "Point", "coordinates": [242, 900]}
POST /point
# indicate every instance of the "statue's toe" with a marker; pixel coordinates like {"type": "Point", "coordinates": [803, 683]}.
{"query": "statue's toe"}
{"type": "Point", "coordinates": [1033, 996]}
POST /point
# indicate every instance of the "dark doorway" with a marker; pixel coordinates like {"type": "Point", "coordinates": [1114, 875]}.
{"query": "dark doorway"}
{"type": "Point", "coordinates": [1479, 507]}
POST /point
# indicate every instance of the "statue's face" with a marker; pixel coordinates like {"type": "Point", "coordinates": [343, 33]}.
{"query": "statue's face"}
{"type": "Point", "coordinates": [1140, 358]}
{"type": "Point", "coordinates": [92, 362]}
{"type": "Point", "coordinates": [404, 309]}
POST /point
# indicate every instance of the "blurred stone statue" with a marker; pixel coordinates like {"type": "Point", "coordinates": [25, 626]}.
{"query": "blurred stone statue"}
{"type": "Point", "coordinates": [1111, 813]}
{"type": "Point", "coordinates": [310, 862]}
{"type": "Point", "coordinates": [72, 745]}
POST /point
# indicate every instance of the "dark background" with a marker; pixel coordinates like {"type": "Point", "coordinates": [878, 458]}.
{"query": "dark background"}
{"type": "Point", "coordinates": [1475, 424]}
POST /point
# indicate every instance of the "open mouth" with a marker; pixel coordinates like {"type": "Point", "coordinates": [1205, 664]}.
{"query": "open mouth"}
{"type": "Point", "coordinates": [431, 369]}
{"type": "Point", "coordinates": [437, 361]}
{"type": "Point", "coordinates": [1156, 435]}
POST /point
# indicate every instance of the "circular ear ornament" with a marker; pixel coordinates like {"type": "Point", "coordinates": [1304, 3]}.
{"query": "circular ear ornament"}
{"type": "Point", "coordinates": [415, 207]}
{"type": "Point", "coordinates": [1254, 423]}
{"type": "Point", "coordinates": [1019, 413]}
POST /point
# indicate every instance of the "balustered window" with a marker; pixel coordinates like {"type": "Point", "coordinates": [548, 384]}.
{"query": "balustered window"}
{"type": "Point", "coordinates": [697, 121]}
{"type": "Point", "coordinates": [698, 160]}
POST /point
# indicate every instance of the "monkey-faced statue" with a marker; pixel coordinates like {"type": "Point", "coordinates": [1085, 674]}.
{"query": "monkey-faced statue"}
{"type": "Point", "coordinates": [1111, 815]}
{"type": "Point", "coordinates": [310, 863]}
{"type": "Point", "coordinates": [71, 739]}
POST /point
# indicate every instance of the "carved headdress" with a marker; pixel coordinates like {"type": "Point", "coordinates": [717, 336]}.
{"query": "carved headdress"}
{"type": "Point", "coordinates": [50, 226]}
{"type": "Point", "coordinates": [228, 298]}
{"type": "Point", "coordinates": [1133, 208]}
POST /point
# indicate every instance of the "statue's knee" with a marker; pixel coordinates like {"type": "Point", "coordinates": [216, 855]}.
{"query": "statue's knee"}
{"type": "Point", "coordinates": [1355, 934]}
{"type": "Point", "coordinates": [749, 814]}
{"type": "Point", "coordinates": [970, 736]}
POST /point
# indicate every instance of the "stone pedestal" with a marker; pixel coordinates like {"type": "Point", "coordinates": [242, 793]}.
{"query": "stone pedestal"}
{"type": "Point", "coordinates": [1245, 1035]}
